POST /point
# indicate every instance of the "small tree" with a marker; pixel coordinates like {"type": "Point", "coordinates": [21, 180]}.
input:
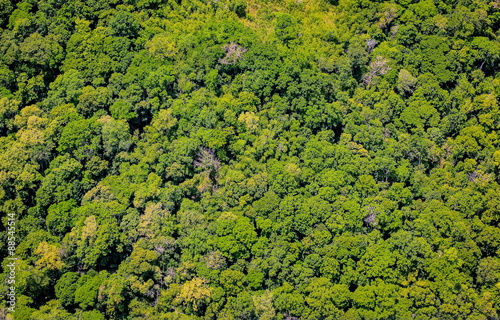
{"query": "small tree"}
{"type": "Point", "coordinates": [234, 53]}
{"type": "Point", "coordinates": [379, 67]}
{"type": "Point", "coordinates": [208, 162]}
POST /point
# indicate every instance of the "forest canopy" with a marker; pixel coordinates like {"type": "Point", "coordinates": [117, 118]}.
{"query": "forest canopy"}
{"type": "Point", "coordinates": [231, 159]}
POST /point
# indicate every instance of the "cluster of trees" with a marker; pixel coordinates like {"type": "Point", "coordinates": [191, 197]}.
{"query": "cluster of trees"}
{"type": "Point", "coordinates": [234, 159]}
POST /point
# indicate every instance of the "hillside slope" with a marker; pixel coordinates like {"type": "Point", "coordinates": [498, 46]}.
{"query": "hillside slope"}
{"type": "Point", "coordinates": [230, 159]}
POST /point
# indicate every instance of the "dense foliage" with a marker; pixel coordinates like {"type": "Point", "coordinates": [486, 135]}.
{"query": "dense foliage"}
{"type": "Point", "coordinates": [230, 159]}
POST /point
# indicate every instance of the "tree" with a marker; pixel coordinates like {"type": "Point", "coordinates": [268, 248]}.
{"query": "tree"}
{"type": "Point", "coordinates": [406, 82]}
{"type": "Point", "coordinates": [43, 51]}
{"type": "Point", "coordinates": [50, 257]}
{"type": "Point", "coordinates": [286, 27]}
{"type": "Point", "coordinates": [88, 286]}
{"type": "Point", "coordinates": [65, 288]}
{"type": "Point", "coordinates": [58, 219]}
{"type": "Point", "coordinates": [194, 294]}
{"type": "Point", "coordinates": [115, 136]}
